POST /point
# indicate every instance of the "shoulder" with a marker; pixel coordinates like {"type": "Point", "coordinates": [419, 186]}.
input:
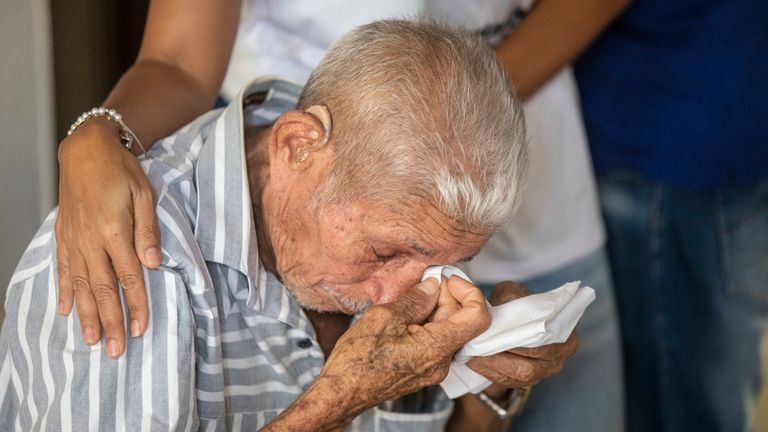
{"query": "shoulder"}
{"type": "Point", "coordinates": [38, 343]}
{"type": "Point", "coordinates": [171, 166]}
{"type": "Point", "coordinates": [173, 159]}
{"type": "Point", "coordinates": [39, 257]}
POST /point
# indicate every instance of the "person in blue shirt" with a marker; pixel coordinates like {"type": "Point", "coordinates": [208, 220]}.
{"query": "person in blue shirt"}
{"type": "Point", "coordinates": [674, 100]}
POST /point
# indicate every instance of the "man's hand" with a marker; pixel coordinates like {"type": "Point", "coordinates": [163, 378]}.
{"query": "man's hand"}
{"type": "Point", "coordinates": [521, 367]}
{"type": "Point", "coordinates": [389, 353]}
{"type": "Point", "coordinates": [105, 230]}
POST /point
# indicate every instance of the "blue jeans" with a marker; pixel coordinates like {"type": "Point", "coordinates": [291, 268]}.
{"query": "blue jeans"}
{"type": "Point", "coordinates": [691, 274]}
{"type": "Point", "coordinates": [588, 395]}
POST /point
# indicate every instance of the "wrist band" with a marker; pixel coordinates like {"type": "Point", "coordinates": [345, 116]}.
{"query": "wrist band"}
{"type": "Point", "coordinates": [515, 402]}
{"type": "Point", "coordinates": [127, 137]}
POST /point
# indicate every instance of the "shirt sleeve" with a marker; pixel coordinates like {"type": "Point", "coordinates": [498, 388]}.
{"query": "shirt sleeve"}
{"type": "Point", "coordinates": [51, 380]}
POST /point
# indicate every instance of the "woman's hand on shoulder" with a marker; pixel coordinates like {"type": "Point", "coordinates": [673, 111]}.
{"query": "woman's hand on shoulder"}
{"type": "Point", "coordinates": [105, 230]}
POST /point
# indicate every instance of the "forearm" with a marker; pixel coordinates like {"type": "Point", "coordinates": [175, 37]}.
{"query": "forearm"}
{"type": "Point", "coordinates": [179, 69]}
{"type": "Point", "coordinates": [321, 408]}
{"type": "Point", "coordinates": [157, 98]}
{"type": "Point", "coordinates": [551, 36]}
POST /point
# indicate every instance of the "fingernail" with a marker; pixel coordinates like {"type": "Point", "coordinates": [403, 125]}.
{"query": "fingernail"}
{"type": "Point", "coordinates": [113, 350]}
{"type": "Point", "coordinates": [428, 287]}
{"type": "Point", "coordinates": [152, 256]}
{"type": "Point", "coordinates": [135, 328]}
{"type": "Point", "coordinates": [89, 336]}
{"type": "Point", "coordinates": [61, 308]}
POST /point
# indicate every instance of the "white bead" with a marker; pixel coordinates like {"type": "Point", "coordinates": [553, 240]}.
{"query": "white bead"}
{"type": "Point", "coordinates": [126, 135]}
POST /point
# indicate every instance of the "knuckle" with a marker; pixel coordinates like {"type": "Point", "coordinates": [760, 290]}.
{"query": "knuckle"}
{"type": "Point", "coordinates": [61, 267]}
{"type": "Point", "coordinates": [129, 280]}
{"type": "Point", "coordinates": [485, 319]}
{"type": "Point", "coordinates": [111, 318]}
{"type": "Point", "coordinates": [146, 232]}
{"type": "Point", "coordinates": [103, 292]}
{"type": "Point", "coordinates": [450, 345]}
{"type": "Point", "coordinates": [143, 190]}
{"type": "Point", "coordinates": [80, 283]}
{"type": "Point", "coordinates": [440, 374]}
{"type": "Point", "coordinates": [112, 323]}
{"type": "Point", "coordinates": [409, 300]}
{"type": "Point", "coordinates": [480, 323]}
{"type": "Point", "coordinates": [87, 316]}
{"type": "Point", "coordinates": [497, 376]}
{"type": "Point", "coordinates": [408, 309]}
{"type": "Point", "coordinates": [526, 371]}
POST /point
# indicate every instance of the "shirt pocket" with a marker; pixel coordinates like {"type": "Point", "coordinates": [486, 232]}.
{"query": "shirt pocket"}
{"type": "Point", "coordinates": [408, 422]}
{"type": "Point", "coordinates": [433, 416]}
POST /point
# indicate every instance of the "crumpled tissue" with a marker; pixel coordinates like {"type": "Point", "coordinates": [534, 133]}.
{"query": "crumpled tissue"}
{"type": "Point", "coordinates": [531, 321]}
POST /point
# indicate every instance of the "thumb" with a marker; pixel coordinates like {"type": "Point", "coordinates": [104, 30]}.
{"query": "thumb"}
{"type": "Point", "coordinates": [145, 231]}
{"type": "Point", "coordinates": [415, 305]}
{"type": "Point", "coordinates": [465, 323]}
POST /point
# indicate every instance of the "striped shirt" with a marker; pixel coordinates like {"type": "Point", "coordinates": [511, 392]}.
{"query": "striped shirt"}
{"type": "Point", "coordinates": [227, 347]}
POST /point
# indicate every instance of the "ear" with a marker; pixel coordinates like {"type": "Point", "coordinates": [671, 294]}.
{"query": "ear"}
{"type": "Point", "coordinates": [298, 135]}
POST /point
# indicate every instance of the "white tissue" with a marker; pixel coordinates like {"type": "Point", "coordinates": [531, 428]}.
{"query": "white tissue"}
{"type": "Point", "coordinates": [531, 321]}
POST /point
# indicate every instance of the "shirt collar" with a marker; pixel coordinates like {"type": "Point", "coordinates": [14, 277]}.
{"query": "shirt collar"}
{"type": "Point", "coordinates": [225, 228]}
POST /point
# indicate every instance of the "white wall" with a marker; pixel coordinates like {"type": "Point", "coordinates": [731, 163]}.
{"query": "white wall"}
{"type": "Point", "coordinates": [27, 144]}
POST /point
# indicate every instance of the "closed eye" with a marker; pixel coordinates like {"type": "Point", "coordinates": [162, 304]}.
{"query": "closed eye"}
{"type": "Point", "coordinates": [383, 256]}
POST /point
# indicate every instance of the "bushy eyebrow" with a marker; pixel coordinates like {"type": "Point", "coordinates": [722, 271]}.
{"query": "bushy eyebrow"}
{"type": "Point", "coordinates": [418, 248]}
{"type": "Point", "coordinates": [426, 252]}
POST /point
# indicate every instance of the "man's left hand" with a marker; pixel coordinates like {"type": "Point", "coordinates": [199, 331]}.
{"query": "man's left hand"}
{"type": "Point", "coordinates": [521, 367]}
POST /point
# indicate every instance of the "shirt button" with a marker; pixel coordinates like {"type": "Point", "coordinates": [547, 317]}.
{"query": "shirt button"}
{"type": "Point", "coordinates": [304, 343]}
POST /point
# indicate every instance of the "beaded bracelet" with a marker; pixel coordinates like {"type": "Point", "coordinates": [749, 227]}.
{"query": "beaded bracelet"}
{"type": "Point", "coordinates": [127, 137]}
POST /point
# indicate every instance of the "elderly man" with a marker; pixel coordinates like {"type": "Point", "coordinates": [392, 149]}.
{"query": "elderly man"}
{"type": "Point", "coordinates": [405, 149]}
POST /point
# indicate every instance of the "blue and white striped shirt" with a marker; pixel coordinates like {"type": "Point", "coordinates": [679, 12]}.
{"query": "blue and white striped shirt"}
{"type": "Point", "coordinates": [227, 347]}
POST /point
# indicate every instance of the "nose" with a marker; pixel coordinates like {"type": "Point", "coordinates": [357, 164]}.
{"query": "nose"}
{"type": "Point", "coordinates": [397, 280]}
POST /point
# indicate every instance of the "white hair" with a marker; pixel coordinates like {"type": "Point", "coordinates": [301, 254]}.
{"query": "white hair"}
{"type": "Point", "coordinates": [420, 111]}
